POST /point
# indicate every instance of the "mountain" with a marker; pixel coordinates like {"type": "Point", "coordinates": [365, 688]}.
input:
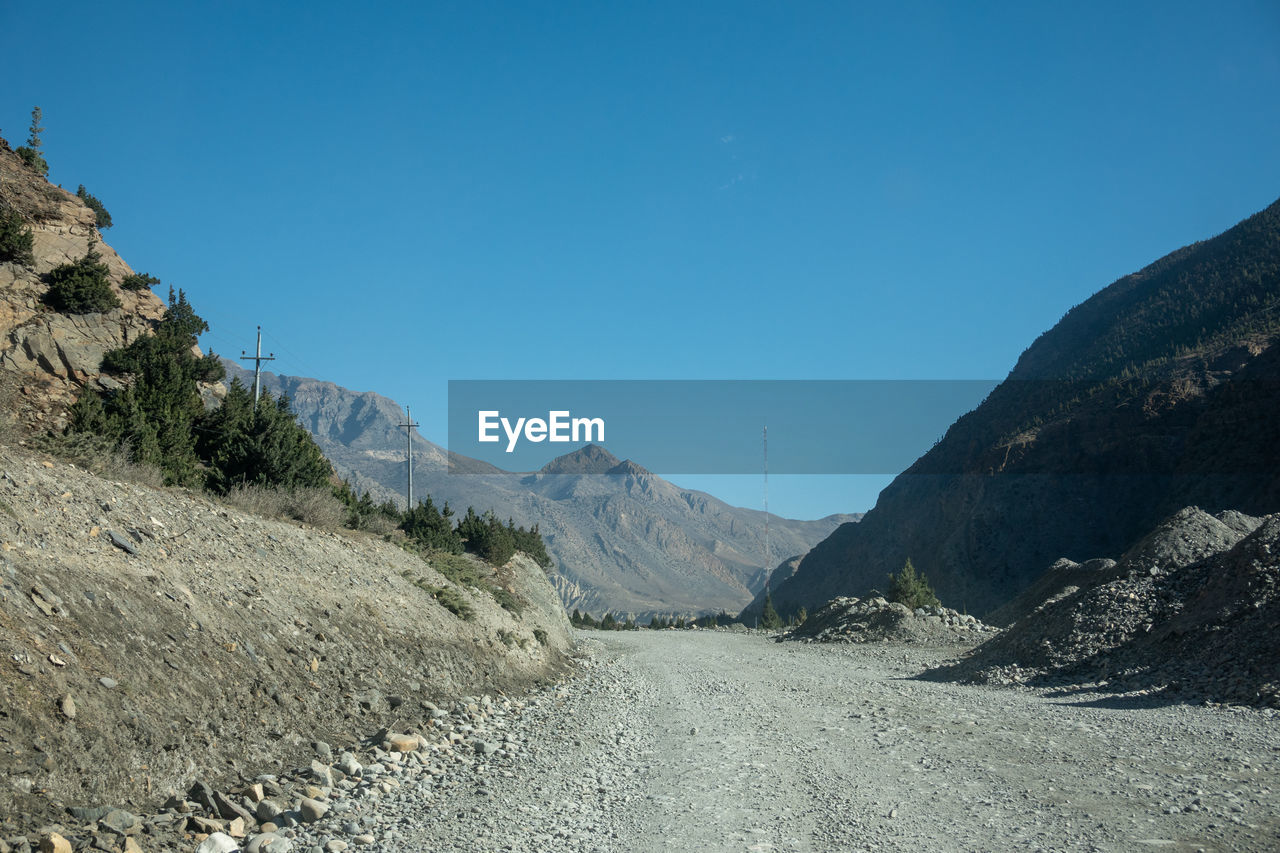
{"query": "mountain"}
{"type": "Point", "coordinates": [1158, 392]}
{"type": "Point", "coordinates": [622, 538]}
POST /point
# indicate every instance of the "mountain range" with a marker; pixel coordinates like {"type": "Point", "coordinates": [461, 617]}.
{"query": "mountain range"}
{"type": "Point", "coordinates": [622, 538]}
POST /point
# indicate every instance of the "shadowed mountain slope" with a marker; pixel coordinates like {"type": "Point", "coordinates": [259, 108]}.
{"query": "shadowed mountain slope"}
{"type": "Point", "coordinates": [1156, 393]}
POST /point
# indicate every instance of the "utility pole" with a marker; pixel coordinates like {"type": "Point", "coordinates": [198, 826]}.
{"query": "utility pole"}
{"type": "Point", "coordinates": [768, 560]}
{"type": "Point", "coordinates": [408, 426]}
{"type": "Point", "coordinates": [257, 368]}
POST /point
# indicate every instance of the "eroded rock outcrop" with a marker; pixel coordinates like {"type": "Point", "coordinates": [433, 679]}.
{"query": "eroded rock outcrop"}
{"type": "Point", "coordinates": [46, 357]}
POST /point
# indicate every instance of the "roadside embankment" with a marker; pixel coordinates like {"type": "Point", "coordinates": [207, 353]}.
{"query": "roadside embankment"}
{"type": "Point", "coordinates": [152, 638]}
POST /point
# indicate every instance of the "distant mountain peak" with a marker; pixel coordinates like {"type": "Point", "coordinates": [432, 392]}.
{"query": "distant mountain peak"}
{"type": "Point", "coordinates": [628, 467]}
{"type": "Point", "coordinates": [588, 459]}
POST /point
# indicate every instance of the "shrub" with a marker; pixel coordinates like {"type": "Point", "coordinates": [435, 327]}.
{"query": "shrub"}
{"type": "Point", "coordinates": [315, 506]}
{"type": "Point", "coordinates": [448, 598]}
{"type": "Point", "coordinates": [81, 287]}
{"type": "Point", "coordinates": [101, 218]}
{"type": "Point", "coordinates": [139, 281]}
{"type": "Point", "coordinates": [32, 158]}
{"type": "Point", "coordinates": [15, 239]}
{"type": "Point", "coordinates": [507, 600]}
{"type": "Point", "coordinates": [257, 500]}
{"type": "Point", "coordinates": [540, 635]}
{"type": "Point", "coordinates": [911, 589]}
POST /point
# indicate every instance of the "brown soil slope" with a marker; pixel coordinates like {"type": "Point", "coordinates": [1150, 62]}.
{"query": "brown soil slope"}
{"type": "Point", "coordinates": [225, 645]}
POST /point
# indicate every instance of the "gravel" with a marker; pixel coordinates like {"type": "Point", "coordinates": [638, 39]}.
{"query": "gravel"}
{"type": "Point", "coordinates": [715, 740]}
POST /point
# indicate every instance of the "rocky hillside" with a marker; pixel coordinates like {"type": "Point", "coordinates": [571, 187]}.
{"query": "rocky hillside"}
{"type": "Point", "coordinates": [46, 356]}
{"type": "Point", "coordinates": [1157, 392]}
{"type": "Point", "coordinates": [152, 638]}
{"type": "Point", "coordinates": [623, 538]}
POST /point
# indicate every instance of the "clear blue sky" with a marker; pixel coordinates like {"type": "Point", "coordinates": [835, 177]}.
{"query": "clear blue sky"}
{"type": "Point", "coordinates": [404, 193]}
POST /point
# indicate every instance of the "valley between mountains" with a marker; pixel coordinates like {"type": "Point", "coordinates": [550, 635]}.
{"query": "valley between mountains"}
{"type": "Point", "coordinates": [185, 669]}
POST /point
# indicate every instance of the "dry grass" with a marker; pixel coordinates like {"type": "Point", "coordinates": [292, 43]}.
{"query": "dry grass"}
{"type": "Point", "coordinates": [97, 456]}
{"type": "Point", "coordinates": [380, 525]}
{"type": "Point", "coordinates": [316, 507]}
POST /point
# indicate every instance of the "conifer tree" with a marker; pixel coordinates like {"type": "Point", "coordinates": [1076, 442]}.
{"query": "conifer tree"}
{"type": "Point", "coordinates": [769, 619]}
{"type": "Point", "coordinates": [16, 240]}
{"type": "Point", "coordinates": [32, 153]}
{"type": "Point", "coordinates": [911, 589]}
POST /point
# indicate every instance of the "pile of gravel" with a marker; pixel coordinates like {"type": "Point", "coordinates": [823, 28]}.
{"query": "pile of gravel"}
{"type": "Point", "coordinates": [875, 620]}
{"type": "Point", "coordinates": [1189, 611]}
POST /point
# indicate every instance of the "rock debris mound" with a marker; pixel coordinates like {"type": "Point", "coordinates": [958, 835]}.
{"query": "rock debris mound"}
{"type": "Point", "coordinates": [1189, 611]}
{"type": "Point", "coordinates": [876, 620]}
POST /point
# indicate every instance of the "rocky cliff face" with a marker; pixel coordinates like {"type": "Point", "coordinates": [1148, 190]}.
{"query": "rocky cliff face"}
{"type": "Point", "coordinates": [47, 357]}
{"type": "Point", "coordinates": [622, 538]}
{"type": "Point", "coordinates": [1156, 393]}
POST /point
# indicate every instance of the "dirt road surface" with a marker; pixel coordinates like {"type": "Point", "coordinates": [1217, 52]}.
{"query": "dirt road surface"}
{"type": "Point", "coordinates": [719, 741]}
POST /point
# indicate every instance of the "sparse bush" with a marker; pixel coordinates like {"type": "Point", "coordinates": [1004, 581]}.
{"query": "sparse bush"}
{"type": "Point", "coordinates": [139, 281]}
{"type": "Point", "coordinates": [101, 218]}
{"type": "Point", "coordinates": [507, 599]}
{"type": "Point", "coordinates": [450, 599]}
{"type": "Point", "coordinates": [911, 589]}
{"type": "Point", "coordinates": [257, 500]}
{"type": "Point", "coordinates": [81, 287]}
{"type": "Point", "coordinates": [315, 506]}
{"type": "Point", "coordinates": [456, 568]}
{"type": "Point", "coordinates": [101, 456]}
{"type": "Point", "coordinates": [16, 242]}
{"type": "Point", "coordinates": [541, 636]}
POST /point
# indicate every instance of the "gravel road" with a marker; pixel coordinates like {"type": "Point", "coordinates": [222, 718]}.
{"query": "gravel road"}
{"type": "Point", "coordinates": [722, 741]}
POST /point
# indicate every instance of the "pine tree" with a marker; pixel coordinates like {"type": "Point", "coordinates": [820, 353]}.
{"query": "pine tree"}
{"type": "Point", "coordinates": [769, 619]}
{"type": "Point", "coordinates": [81, 287]}
{"type": "Point", "coordinates": [154, 415]}
{"type": "Point", "coordinates": [16, 241]}
{"type": "Point", "coordinates": [911, 589]}
{"type": "Point", "coordinates": [32, 153]}
{"type": "Point", "coordinates": [101, 218]}
{"type": "Point", "coordinates": [261, 446]}
{"type": "Point", "coordinates": [431, 527]}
